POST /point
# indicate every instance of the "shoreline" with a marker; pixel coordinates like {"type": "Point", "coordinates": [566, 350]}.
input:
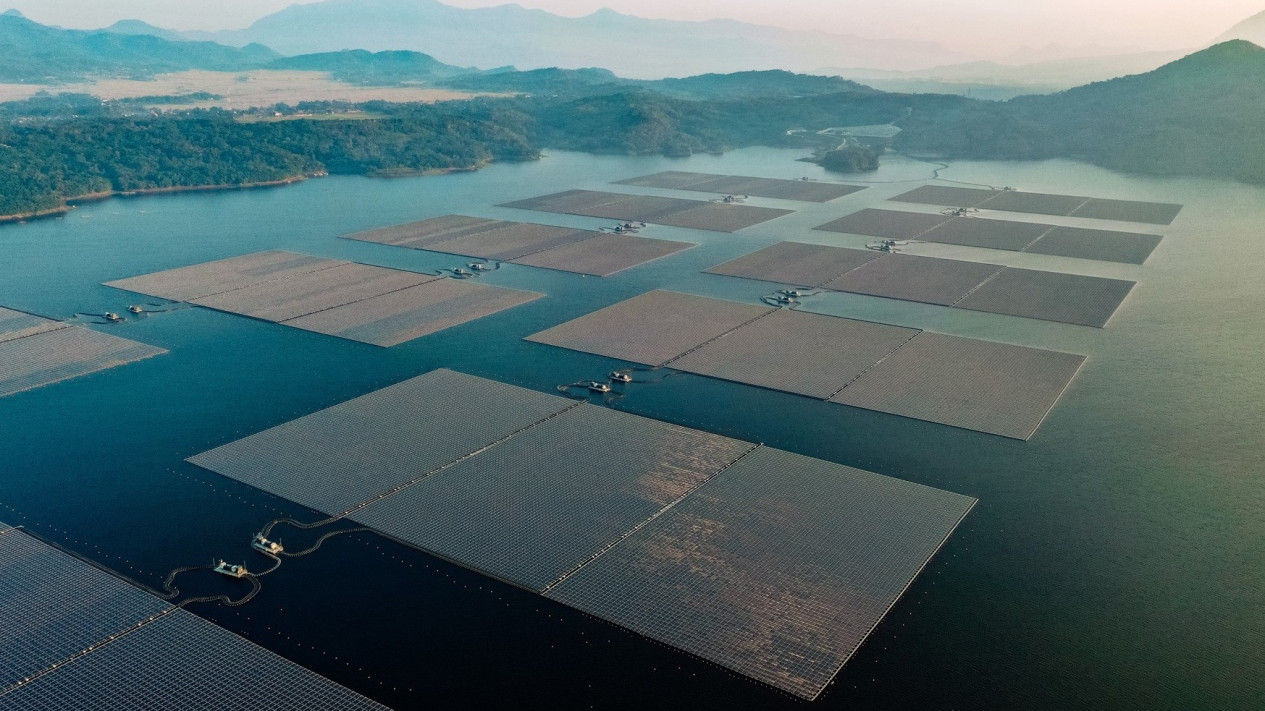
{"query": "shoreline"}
{"type": "Point", "coordinates": [72, 202]}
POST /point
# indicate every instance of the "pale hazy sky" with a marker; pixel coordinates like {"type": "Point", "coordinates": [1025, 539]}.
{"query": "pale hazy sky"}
{"type": "Point", "coordinates": [982, 27]}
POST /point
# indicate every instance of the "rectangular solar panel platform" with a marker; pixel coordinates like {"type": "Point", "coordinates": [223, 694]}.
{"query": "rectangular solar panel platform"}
{"type": "Point", "coordinates": [359, 302]}
{"type": "Point", "coordinates": [992, 288]}
{"type": "Point", "coordinates": [977, 385]}
{"type": "Point", "coordinates": [675, 212]}
{"type": "Point", "coordinates": [560, 248]}
{"type": "Point", "coordinates": [652, 328]}
{"type": "Point", "coordinates": [803, 190]}
{"type": "Point", "coordinates": [35, 352]}
{"type": "Point", "coordinates": [912, 278]}
{"type": "Point", "coordinates": [772, 564]}
{"type": "Point", "coordinates": [1008, 235]}
{"type": "Point", "coordinates": [756, 346]}
{"type": "Point", "coordinates": [1049, 296]}
{"type": "Point", "coordinates": [73, 636]}
{"type": "Point", "coordinates": [537, 506]}
{"type": "Point", "coordinates": [796, 352]}
{"type": "Point", "coordinates": [778, 569]}
{"type": "Point", "coordinates": [1156, 213]}
{"type": "Point", "coordinates": [796, 263]}
{"type": "Point", "coordinates": [335, 459]}
{"type": "Point", "coordinates": [888, 224]}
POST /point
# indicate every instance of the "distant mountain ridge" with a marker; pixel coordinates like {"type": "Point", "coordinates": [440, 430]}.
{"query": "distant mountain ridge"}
{"type": "Point", "coordinates": [512, 35]}
{"type": "Point", "coordinates": [1252, 29]}
{"type": "Point", "coordinates": [32, 52]}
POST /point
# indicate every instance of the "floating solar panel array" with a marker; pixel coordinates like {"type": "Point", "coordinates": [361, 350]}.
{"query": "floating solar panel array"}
{"type": "Point", "coordinates": [1050, 296]}
{"type": "Point", "coordinates": [375, 305]}
{"type": "Point", "coordinates": [979, 385]}
{"type": "Point", "coordinates": [1155, 213]}
{"type": "Point", "coordinates": [36, 351]}
{"type": "Point", "coordinates": [692, 214]}
{"type": "Point", "coordinates": [561, 248]}
{"type": "Point", "coordinates": [803, 190]}
{"type": "Point", "coordinates": [772, 564]}
{"type": "Point", "coordinates": [73, 636]}
{"type": "Point", "coordinates": [1009, 235]}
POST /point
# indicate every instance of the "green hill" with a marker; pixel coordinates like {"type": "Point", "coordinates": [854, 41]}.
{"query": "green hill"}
{"type": "Point", "coordinates": [37, 53]}
{"type": "Point", "coordinates": [358, 66]}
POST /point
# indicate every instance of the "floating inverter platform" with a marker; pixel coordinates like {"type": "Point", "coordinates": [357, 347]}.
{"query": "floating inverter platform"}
{"type": "Point", "coordinates": [369, 304]}
{"type": "Point", "coordinates": [695, 214]}
{"type": "Point", "coordinates": [73, 636]}
{"type": "Point", "coordinates": [815, 354]}
{"type": "Point", "coordinates": [36, 351]}
{"type": "Point", "coordinates": [779, 568]}
{"type": "Point", "coordinates": [1155, 213]}
{"type": "Point", "coordinates": [774, 565]}
{"type": "Point", "coordinates": [993, 288]}
{"type": "Point", "coordinates": [1009, 235]}
{"type": "Point", "coordinates": [561, 248]}
{"type": "Point", "coordinates": [803, 190]}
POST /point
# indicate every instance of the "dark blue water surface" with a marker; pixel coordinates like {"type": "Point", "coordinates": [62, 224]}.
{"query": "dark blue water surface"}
{"type": "Point", "coordinates": [1116, 560]}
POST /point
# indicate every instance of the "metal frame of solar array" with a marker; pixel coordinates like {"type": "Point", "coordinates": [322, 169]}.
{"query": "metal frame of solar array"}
{"type": "Point", "coordinates": [374, 305]}
{"type": "Point", "coordinates": [74, 636]}
{"type": "Point", "coordinates": [676, 212]}
{"type": "Point", "coordinates": [35, 351]}
{"type": "Point", "coordinates": [538, 504]}
{"type": "Point", "coordinates": [802, 190]}
{"type": "Point", "coordinates": [530, 244]}
{"type": "Point", "coordinates": [976, 286]}
{"type": "Point", "coordinates": [979, 385]}
{"type": "Point", "coordinates": [1007, 235]}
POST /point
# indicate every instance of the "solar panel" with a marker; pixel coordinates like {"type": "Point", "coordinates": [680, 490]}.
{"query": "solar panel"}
{"type": "Point", "coordinates": [1051, 296]}
{"type": "Point", "coordinates": [511, 240]}
{"type": "Point", "coordinates": [695, 214]}
{"type": "Point", "coordinates": [946, 195]}
{"type": "Point", "coordinates": [912, 278]}
{"type": "Point", "coordinates": [73, 636]}
{"type": "Point", "coordinates": [536, 506]}
{"type": "Point", "coordinates": [1103, 245]}
{"type": "Point", "coordinates": [52, 356]}
{"type": "Point", "coordinates": [55, 606]}
{"type": "Point", "coordinates": [19, 324]}
{"type": "Point", "coordinates": [1154, 213]}
{"type": "Point", "coordinates": [1044, 204]}
{"type": "Point", "coordinates": [796, 263]}
{"type": "Point", "coordinates": [303, 294]}
{"type": "Point", "coordinates": [986, 233]}
{"type": "Point", "coordinates": [652, 328]}
{"type": "Point", "coordinates": [808, 191]}
{"type": "Point", "coordinates": [889, 224]}
{"type": "Point", "coordinates": [989, 387]}
{"type": "Point", "coordinates": [198, 280]}
{"type": "Point", "coordinates": [181, 661]}
{"type": "Point", "coordinates": [803, 353]}
{"type": "Point", "coordinates": [603, 255]}
{"type": "Point", "coordinates": [414, 234]}
{"type": "Point", "coordinates": [778, 568]}
{"type": "Point", "coordinates": [336, 458]}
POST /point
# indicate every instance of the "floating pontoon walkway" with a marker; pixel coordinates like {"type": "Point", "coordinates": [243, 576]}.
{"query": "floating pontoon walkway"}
{"type": "Point", "coordinates": [992, 288]}
{"type": "Point", "coordinates": [374, 305]}
{"type": "Point", "coordinates": [1008, 235]}
{"type": "Point", "coordinates": [73, 636]}
{"type": "Point", "coordinates": [693, 214]}
{"type": "Point", "coordinates": [772, 564]}
{"type": "Point", "coordinates": [561, 248]}
{"type": "Point", "coordinates": [979, 385]}
{"type": "Point", "coordinates": [802, 190]}
{"type": "Point", "coordinates": [36, 351]}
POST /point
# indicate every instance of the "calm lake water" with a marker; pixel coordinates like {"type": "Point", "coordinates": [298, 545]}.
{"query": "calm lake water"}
{"type": "Point", "coordinates": [1116, 560]}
